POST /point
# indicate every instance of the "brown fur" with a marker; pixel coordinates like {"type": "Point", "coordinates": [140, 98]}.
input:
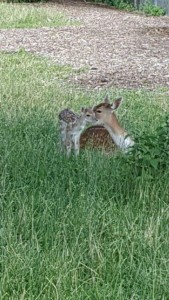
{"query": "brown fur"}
{"type": "Point", "coordinates": [111, 135]}
{"type": "Point", "coordinates": [96, 137]}
{"type": "Point", "coordinates": [106, 105]}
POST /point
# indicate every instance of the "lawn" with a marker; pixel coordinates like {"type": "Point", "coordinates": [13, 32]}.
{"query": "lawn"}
{"type": "Point", "coordinates": [85, 228]}
{"type": "Point", "coordinates": [29, 16]}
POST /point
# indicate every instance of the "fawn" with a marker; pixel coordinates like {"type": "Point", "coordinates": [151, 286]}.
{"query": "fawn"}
{"type": "Point", "coordinates": [111, 133]}
{"type": "Point", "coordinates": [72, 125]}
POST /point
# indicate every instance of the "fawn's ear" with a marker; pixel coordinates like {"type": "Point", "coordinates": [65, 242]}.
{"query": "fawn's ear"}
{"type": "Point", "coordinates": [82, 109]}
{"type": "Point", "coordinates": [116, 103]}
{"type": "Point", "coordinates": [106, 99]}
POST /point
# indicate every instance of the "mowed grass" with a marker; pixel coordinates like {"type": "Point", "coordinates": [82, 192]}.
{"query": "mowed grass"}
{"type": "Point", "coordinates": [29, 16]}
{"type": "Point", "coordinates": [78, 228]}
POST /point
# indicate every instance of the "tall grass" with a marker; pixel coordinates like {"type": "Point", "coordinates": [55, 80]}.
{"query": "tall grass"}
{"type": "Point", "coordinates": [78, 228]}
{"type": "Point", "coordinates": [29, 16]}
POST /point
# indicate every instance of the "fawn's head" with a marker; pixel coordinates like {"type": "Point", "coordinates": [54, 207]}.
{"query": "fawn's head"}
{"type": "Point", "coordinates": [88, 115]}
{"type": "Point", "coordinates": [105, 110]}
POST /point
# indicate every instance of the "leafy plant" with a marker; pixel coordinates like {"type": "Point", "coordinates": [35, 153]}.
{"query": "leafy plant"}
{"type": "Point", "coordinates": [151, 151]}
{"type": "Point", "coordinates": [121, 4]}
{"type": "Point", "coordinates": [154, 10]}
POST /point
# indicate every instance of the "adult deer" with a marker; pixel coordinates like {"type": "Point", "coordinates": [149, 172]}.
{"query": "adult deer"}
{"type": "Point", "coordinates": [111, 134]}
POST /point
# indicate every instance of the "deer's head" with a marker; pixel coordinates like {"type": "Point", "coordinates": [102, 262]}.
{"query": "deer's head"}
{"type": "Point", "coordinates": [105, 110]}
{"type": "Point", "coordinates": [88, 115]}
{"type": "Point", "coordinates": [105, 114]}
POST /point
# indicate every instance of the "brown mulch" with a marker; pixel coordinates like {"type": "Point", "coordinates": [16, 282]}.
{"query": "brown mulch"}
{"type": "Point", "coordinates": [114, 47]}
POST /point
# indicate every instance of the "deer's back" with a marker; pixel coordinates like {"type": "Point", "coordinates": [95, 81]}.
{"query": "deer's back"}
{"type": "Point", "coordinates": [68, 116]}
{"type": "Point", "coordinates": [96, 137]}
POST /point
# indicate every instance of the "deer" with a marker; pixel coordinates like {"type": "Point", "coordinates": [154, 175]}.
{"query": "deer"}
{"type": "Point", "coordinates": [71, 127]}
{"type": "Point", "coordinates": [97, 137]}
{"type": "Point", "coordinates": [108, 133]}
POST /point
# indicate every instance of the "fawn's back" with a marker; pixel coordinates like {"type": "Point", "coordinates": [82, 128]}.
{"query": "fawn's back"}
{"type": "Point", "coordinates": [67, 116]}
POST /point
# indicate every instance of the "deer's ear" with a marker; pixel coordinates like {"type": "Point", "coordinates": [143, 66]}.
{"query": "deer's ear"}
{"type": "Point", "coordinates": [82, 109]}
{"type": "Point", "coordinates": [106, 99]}
{"type": "Point", "coordinates": [116, 103]}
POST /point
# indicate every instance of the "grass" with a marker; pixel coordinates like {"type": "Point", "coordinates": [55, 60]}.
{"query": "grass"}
{"type": "Point", "coordinates": [29, 16]}
{"type": "Point", "coordinates": [75, 229]}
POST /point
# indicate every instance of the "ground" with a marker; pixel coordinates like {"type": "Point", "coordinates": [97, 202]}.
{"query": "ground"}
{"type": "Point", "coordinates": [93, 227]}
{"type": "Point", "coordinates": [110, 47]}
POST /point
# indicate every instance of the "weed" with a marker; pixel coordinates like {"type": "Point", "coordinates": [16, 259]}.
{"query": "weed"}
{"type": "Point", "coordinates": [121, 4]}
{"type": "Point", "coordinates": [151, 9]}
{"type": "Point", "coordinates": [151, 151]}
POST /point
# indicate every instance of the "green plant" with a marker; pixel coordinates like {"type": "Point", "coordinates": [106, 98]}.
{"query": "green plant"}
{"type": "Point", "coordinates": [151, 151]}
{"type": "Point", "coordinates": [154, 10]}
{"type": "Point", "coordinates": [121, 4]}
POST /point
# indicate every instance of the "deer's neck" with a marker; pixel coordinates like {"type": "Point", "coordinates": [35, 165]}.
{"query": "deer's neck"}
{"type": "Point", "coordinates": [81, 122]}
{"type": "Point", "coordinates": [118, 134]}
{"type": "Point", "coordinates": [79, 125]}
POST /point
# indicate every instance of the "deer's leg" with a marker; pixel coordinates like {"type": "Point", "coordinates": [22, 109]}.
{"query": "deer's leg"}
{"type": "Point", "coordinates": [76, 142]}
{"type": "Point", "coordinates": [63, 138]}
{"type": "Point", "coordinates": [68, 143]}
{"type": "Point", "coordinates": [62, 128]}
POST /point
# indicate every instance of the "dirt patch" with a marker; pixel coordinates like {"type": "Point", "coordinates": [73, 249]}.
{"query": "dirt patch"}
{"type": "Point", "coordinates": [115, 48]}
{"type": "Point", "coordinates": [160, 31]}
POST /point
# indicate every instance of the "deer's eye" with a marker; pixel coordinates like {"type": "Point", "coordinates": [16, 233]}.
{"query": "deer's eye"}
{"type": "Point", "coordinates": [99, 111]}
{"type": "Point", "coordinates": [88, 115]}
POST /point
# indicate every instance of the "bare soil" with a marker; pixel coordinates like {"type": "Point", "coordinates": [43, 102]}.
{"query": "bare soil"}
{"type": "Point", "coordinates": [115, 48]}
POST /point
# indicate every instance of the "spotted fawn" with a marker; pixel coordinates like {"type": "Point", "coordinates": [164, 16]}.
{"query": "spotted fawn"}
{"type": "Point", "coordinates": [72, 125]}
